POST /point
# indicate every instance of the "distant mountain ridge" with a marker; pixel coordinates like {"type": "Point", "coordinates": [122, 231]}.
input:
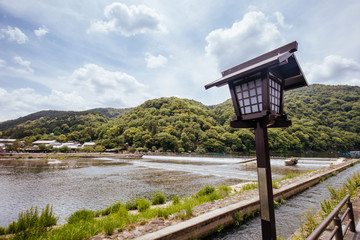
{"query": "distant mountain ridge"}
{"type": "Point", "coordinates": [109, 112]}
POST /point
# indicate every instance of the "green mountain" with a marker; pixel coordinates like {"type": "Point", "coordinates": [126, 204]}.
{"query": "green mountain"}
{"type": "Point", "coordinates": [109, 112]}
{"type": "Point", "coordinates": [325, 118]}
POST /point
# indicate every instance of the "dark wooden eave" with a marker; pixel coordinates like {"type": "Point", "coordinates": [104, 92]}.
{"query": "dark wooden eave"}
{"type": "Point", "coordinates": [282, 60]}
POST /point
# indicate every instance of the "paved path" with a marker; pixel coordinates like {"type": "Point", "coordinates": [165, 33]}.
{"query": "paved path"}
{"type": "Point", "coordinates": [356, 209]}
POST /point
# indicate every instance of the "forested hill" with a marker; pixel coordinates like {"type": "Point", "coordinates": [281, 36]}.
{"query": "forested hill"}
{"type": "Point", "coordinates": [52, 114]}
{"type": "Point", "coordinates": [324, 118]}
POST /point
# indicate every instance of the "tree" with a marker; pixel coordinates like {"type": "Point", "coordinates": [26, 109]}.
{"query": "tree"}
{"type": "Point", "coordinates": [100, 148]}
{"type": "Point", "coordinates": [213, 145]}
{"type": "Point", "coordinates": [166, 141]}
{"type": "Point", "coordinates": [130, 134]}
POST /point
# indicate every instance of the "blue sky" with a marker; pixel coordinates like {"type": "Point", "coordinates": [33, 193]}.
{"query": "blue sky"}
{"type": "Point", "coordinates": [77, 55]}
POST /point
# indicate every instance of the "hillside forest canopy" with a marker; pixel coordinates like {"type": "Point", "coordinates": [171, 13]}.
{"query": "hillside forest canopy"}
{"type": "Point", "coordinates": [324, 118]}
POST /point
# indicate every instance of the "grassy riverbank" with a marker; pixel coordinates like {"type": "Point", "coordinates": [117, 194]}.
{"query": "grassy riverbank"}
{"type": "Point", "coordinates": [85, 223]}
{"type": "Point", "coordinates": [121, 217]}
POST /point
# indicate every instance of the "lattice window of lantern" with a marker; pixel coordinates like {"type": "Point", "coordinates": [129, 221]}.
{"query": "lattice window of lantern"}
{"type": "Point", "coordinates": [249, 95]}
{"type": "Point", "coordinates": [274, 95]}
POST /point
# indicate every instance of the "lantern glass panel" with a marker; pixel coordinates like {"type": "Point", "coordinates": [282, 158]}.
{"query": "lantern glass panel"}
{"type": "Point", "coordinates": [275, 95]}
{"type": "Point", "coordinates": [249, 96]}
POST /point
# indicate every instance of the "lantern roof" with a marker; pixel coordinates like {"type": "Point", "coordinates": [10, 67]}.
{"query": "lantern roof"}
{"type": "Point", "coordinates": [281, 60]}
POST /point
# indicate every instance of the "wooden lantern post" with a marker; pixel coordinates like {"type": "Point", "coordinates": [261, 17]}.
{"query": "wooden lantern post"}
{"type": "Point", "coordinates": [257, 92]}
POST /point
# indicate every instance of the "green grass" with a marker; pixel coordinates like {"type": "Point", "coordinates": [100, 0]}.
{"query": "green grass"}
{"type": "Point", "coordinates": [175, 200]}
{"type": "Point", "coordinates": [112, 209]}
{"type": "Point", "coordinates": [292, 175]}
{"type": "Point", "coordinates": [31, 224]}
{"type": "Point", "coordinates": [158, 198]}
{"type": "Point", "coordinates": [142, 204]}
{"type": "Point", "coordinates": [131, 205]}
{"type": "Point", "coordinates": [81, 215]}
{"type": "Point", "coordinates": [85, 223]}
{"type": "Point", "coordinates": [248, 187]}
{"type": "Point", "coordinates": [206, 190]}
{"type": "Point", "coordinates": [82, 224]}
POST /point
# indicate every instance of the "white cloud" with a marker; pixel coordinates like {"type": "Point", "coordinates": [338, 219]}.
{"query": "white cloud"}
{"type": "Point", "coordinates": [334, 70]}
{"type": "Point", "coordinates": [281, 20]}
{"type": "Point", "coordinates": [248, 38]}
{"type": "Point", "coordinates": [13, 34]}
{"type": "Point", "coordinates": [23, 101]}
{"type": "Point", "coordinates": [155, 61]}
{"type": "Point", "coordinates": [41, 31]}
{"type": "Point", "coordinates": [87, 87]}
{"type": "Point", "coordinates": [25, 65]}
{"type": "Point", "coordinates": [106, 88]}
{"type": "Point", "coordinates": [128, 20]}
{"type": "Point", "coordinates": [90, 86]}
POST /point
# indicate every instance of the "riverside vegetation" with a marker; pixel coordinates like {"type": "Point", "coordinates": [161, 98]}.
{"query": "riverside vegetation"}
{"type": "Point", "coordinates": [325, 118]}
{"type": "Point", "coordinates": [86, 223]}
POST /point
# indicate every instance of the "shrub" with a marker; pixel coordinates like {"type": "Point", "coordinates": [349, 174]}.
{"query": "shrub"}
{"type": "Point", "coordinates": [2, 231]}
{"type": "Point", "coordinates": [81, 215]}
{"type": "Point", "coordinates": [214, 196]}
{"type": "Point", "coordinates": [142, 204]}
{"type": "Point", "coordinates": [206, 190]}
{"type": "Point", "coordinates": [112, 209]}
{"type": "Point", "coordinates": [175, 200]}
{"type": "Point", "coordinates": [131, 205]}
{"type": "Point", "coordinates": [223, 190]}
{"type": "Point", "coordinates": [30, 222]}
{"type": "Point", "coordinates": [158, 198]}
{"type": "Point", "coordinates": [162, 212]}
{"type": "Point", "coordinates": [188, 210]}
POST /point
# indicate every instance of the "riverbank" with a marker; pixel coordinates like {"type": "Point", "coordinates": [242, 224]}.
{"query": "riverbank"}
{"type": "Point", "coordinates": [68, 155]}
{"type": "Point", "coordinates": [208, 217]}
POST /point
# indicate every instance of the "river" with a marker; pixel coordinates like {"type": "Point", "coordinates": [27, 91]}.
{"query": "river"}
{"type": "Point", "coordinates": [71, 184]}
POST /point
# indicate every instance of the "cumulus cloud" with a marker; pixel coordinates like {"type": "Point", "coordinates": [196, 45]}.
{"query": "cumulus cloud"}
{"type": "Point", "coordinates": [90, 86]}
{"type": "Point", "coordinates": [281, 20]}
{"type": "Point", "coordinates": [247, 38]}
{"type": "Point", "coordinates": [155, 61]}
{"type": "Point", "coordinates": [334, 70]}
{"type": "Point", "coordinates": [41, 31]}
{"type": "Point", "coordinates": [23, 101]}
{"type": "Point", "coordinates": [13, 34]}
{"type": "Point", "coordinates": [24, 65]}
{"type": "Point", "coordinates": [102, 87]}
{"type": "Point", "coordinates": [128, 20]}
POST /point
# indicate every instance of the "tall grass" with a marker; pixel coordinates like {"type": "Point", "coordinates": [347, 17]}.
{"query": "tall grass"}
{"type": "Point", "coordinates": [158, 198]}
{"type": "Point", "coordinates": [31, 224]}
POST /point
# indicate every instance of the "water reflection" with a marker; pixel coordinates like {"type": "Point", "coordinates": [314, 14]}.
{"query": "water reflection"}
{"type": "Point", "coordinates": [95, 183]}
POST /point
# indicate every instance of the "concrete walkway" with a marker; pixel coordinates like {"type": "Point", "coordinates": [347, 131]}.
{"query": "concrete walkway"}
{"type": "Point", "coordinates": [354, 236]}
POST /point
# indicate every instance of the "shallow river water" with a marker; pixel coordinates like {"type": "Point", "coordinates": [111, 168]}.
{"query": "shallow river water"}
{"type": "Point", "coordinates": [96, 183]}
